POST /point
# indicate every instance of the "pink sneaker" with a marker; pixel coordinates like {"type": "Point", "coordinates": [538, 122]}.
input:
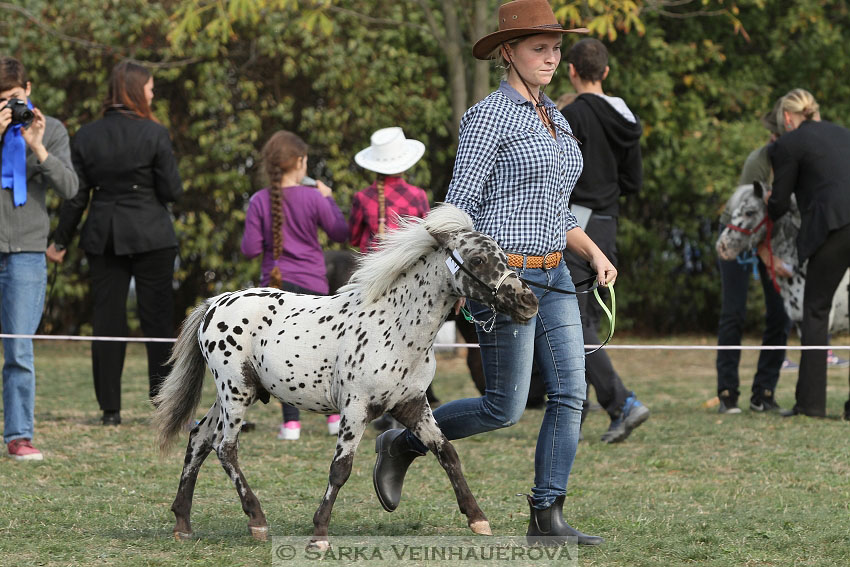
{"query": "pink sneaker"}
{"type": "Point", "coordinates": [22, 450]}
{"type": "Point", "coordinates": [333, 424]}
{"type": "Point", "coordinates": [289, 431]}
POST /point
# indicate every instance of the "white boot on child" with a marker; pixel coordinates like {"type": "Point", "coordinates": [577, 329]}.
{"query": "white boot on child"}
{"type": "Point", "coordinates": [333, 424]}
{"type": "Point", "coordinates": [289, 431]}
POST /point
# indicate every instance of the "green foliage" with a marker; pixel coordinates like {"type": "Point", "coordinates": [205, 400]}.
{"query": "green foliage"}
{"type": "Point", "coordinates": [230, 72]}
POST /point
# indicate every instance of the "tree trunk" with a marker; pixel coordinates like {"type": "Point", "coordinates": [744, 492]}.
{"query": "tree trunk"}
{"type": "Point", "coordinates": [456, 61]}
{"type": "Point", "coordinates": [481, 23]}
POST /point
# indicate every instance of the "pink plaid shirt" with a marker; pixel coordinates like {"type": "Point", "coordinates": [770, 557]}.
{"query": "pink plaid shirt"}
{"type": "Point", "coordinates": [401, 199]}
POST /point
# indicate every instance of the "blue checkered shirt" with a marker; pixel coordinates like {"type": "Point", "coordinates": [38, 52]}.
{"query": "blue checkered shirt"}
{"type": "Point", "coordinates": [512, 177]}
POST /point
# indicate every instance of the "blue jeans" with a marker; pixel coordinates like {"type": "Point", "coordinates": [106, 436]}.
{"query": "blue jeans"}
{"type": "Point", "coordinates": [554, 340]}
{"type": "Point", "coordinates": [23, 279]}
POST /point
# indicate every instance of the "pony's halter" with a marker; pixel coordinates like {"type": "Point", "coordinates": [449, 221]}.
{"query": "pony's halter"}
{"type": "Point", "coordinates": [494, 290]}
{"type": "Point", "coordinates": [751, 231]}
{"type": "Point", "coordinates": [771, 269]}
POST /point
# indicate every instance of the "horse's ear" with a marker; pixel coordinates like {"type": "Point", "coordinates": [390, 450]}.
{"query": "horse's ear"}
{"type": "Point", "coordinates": [441, 237]}
{"type": "Point", "coordinates": [758, 189]}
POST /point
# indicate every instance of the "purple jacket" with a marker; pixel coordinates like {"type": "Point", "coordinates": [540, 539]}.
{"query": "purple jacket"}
{"type": "Point", "coordinates": [304, 211]}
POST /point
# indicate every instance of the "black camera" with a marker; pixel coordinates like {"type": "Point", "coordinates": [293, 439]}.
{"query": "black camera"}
{"type": "Point", "coordinates": [20, 113]}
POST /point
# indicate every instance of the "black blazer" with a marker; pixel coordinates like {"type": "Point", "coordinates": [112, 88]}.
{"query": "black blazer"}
{"type": "Point", "coordinates": [127, 169]}
{"type": "Point", "coordinates": [812, 162]}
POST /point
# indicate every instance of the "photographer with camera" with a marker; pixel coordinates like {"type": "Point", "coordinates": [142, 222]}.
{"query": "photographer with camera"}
{"type": "Point", "coordinates": [35, 155]}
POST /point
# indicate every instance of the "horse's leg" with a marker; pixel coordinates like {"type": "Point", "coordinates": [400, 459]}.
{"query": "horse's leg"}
{"type": "Point", "coordinates": [417, 416]}
{"type": "Point", "coordinates": [201, 441]}
{"type": "Point", "coordinates": [233, 410]}
{"type": "Point", "coordinates": [351, 427]}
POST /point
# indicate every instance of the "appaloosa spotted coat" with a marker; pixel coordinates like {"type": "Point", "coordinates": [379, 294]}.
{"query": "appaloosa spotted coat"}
{"type": "Point", "coordinates": [747, 229]}
{"type": "Point", "coordinates": [360, 353]}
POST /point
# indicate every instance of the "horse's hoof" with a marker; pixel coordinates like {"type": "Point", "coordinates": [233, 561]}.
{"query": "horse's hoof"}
{"type": "Point", "coordinates": [481, 527]}
{"type": "Point", "coordinates": [260, 533]}
{"type": "Point", "coordinates": [183, 536]}
{"type": "Point", "coordinates": [319, 545]}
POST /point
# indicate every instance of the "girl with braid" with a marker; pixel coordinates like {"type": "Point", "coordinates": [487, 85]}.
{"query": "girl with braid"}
{"type": "Point", "coordinates": [282, 224]}
{"type": "Point", "coordinates": [374, 210]}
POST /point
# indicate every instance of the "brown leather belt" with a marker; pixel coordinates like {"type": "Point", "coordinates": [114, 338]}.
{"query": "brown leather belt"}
{"type": "Point", "coordinates": [548, 261]}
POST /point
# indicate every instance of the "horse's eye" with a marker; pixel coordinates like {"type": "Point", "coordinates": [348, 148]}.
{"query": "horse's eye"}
{"type": "Point", "coordinates": [476, 261]}
{"type": "Point", "coordinates": [749, 213]}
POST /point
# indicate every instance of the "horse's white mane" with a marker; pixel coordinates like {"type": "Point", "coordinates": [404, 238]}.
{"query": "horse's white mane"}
{"type": "Point", "coordinates": [401, 248]}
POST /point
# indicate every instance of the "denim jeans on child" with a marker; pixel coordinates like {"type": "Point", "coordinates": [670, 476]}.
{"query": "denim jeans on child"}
{"type": "Point", "coordinates": [23, 279]}
{"type": "Point", "coordinates": [554, 340]}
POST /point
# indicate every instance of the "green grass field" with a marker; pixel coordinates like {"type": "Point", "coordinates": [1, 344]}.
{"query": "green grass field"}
{"type": "Point", "coordinates": [690, 487]}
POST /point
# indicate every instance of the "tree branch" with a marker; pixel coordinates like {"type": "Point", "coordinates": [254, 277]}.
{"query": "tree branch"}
{"type": "Point", "coordinates": [92, 45]}
{"type": "Point", "coordinates": [432, 22]}
{"type": "Point", "coordinates": [371, 19]}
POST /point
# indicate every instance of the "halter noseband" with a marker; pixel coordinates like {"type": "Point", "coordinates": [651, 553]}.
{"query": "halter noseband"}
{"type": "Point", "coordinates": [751, 231]}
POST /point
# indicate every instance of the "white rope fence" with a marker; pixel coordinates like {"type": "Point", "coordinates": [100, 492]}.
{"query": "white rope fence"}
{"type": "Point", "coordinates": [457, 345]}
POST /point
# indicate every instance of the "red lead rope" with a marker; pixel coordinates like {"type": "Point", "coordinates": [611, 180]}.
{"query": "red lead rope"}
{"type": "Point", "coordinates": [771, 269]}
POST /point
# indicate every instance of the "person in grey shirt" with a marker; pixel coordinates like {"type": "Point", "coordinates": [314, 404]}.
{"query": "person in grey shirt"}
{"type": "Point", "coordinates": [735, 278]}
{"type": "Point", "coordinates": [35, 157]}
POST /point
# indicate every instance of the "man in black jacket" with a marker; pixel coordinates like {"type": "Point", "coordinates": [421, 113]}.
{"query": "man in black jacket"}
{"type": "Point", "coordinates": [610, 144]}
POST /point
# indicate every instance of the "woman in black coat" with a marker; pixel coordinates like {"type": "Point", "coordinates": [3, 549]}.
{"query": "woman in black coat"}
{"type": "Point", "coordinates": [812, 160]}
{"type": "Point", "coordinates": [128, 176]}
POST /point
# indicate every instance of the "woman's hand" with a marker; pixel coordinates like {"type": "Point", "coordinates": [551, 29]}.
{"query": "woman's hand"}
{"type": "Point", "coordinates": [579, 242]}
{"type": "Point", "coordinates": [780, 268]}
{"type": "Point", "coordinates": [323, 189]}
{"type": "Point", "coordinates": [606, 273]}
{"type": "Point", "coordinates": [54, 255]}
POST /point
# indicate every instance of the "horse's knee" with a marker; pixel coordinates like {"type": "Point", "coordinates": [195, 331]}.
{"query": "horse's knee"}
{"type": "Point", "coordinates": [341, 469]}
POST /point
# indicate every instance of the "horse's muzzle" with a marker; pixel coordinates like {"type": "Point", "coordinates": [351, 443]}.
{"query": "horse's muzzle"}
{"type": "Point", "coordinates": [522, 304]}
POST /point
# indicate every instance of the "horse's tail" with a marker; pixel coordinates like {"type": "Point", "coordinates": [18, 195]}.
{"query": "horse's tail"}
{"type": "Point", "coordinates": [180, 393]}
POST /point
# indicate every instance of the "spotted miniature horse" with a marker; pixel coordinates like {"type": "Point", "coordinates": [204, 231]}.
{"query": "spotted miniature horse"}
{"type": "Point", "coordinates": [749, 227]}
{"type": "Point", "coordinates": [360, 353]}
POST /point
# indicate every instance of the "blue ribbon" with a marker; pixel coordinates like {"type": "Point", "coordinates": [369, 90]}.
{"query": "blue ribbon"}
{"type": "Point", "coordinates": [14, 162]}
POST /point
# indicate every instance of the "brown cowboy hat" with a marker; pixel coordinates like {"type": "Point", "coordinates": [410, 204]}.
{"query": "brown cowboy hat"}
{"type": "Point", "coordinates": [517, 19]}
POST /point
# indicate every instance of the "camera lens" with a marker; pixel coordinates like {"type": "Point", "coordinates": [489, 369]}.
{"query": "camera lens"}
{"type": "Point", "coordinates": [20, 113]}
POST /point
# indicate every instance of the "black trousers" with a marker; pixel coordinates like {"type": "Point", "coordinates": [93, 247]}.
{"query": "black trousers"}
{"type": "Point", "coordinates": [110, 284]}
{"type": "Point", "coordinates": [825, 270]}
{"type": "Point", "coordinates": [735, 282]}
{"type": "Point", "coordinates": [610, 390]}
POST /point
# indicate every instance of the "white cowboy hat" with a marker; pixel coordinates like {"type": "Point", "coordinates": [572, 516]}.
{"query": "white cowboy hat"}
{"type": "Point", "coordinates": [390, 152]}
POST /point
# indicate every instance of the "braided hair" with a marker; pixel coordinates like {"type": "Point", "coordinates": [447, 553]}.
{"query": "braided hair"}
{"type": "Point", "coordinates": [382, 205]}
{"type": "Point", "coordinates": [280, 155]}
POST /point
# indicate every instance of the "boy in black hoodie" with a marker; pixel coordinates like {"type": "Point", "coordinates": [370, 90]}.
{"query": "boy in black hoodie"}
{"type": "Point", "coordinates": [610, 144]}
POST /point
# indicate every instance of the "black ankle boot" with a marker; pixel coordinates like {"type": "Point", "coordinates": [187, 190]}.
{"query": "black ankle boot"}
{"type": "Point", "coordinates": [394, 456]}
{"type": "Point", "coordinates": [547, 527]}
{"type": "Point", "coordinates": [111, 417]}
